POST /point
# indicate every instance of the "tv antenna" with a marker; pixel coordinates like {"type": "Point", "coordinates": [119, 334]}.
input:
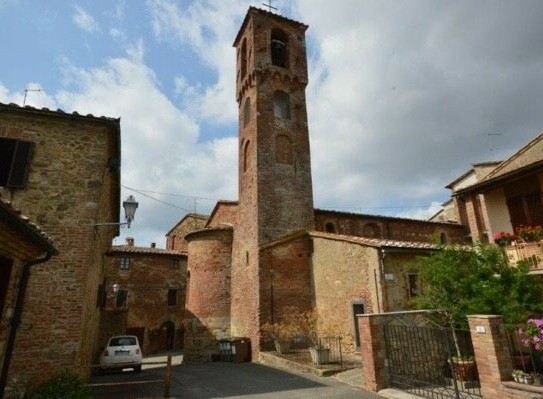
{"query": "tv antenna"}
{"type": "Point", "coordinates": [269, 5]}
{"type": "Point", "coordinates": [26, 92]}
{"type": "Point", "coordinates": [490, 142]}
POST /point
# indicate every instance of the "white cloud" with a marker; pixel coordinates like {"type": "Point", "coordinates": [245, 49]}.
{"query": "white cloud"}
{"type": "Point", "coordinates": [160, 148]}
{"type": "Point", "coordinates": [208, 28]}
{"type": "Point", "coordinates": [85, 21]}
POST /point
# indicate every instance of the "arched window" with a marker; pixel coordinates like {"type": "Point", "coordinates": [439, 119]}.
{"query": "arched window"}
{"type": "Point", "coordinates": [243, 61]}
{"type": "Point", "coordinates": [279, 48]}
{"type": "Point", "coordinates": [283, 149]}
{"type": "Point", "coordinates": [443, 238]}
{"type": "Point", "coordinates": [247, 111]}
{"type": "Point", "coordinates": [330, 228]}
{"type": "Point", "coordinates": [371, 230]}
{"type": "Point", "coordinates": [281, 105]}
{"type": "Point", "coordinates": [246, 156]}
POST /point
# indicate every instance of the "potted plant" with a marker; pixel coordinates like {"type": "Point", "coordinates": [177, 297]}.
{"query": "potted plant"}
{"type": "Point", "coordinates": [530, 233]}
{"type": "Point", "coordinates": [458, 281]}
{"type": "Point", "coordinates": [308, 326]}
{"type": "Point", "coordinates": [281, 332]}
{"type": "Point", "coordinates": [504, 239]}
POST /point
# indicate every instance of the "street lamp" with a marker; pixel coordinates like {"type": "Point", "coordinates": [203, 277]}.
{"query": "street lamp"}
{"type": "Point", "coordinates": [129, 205]}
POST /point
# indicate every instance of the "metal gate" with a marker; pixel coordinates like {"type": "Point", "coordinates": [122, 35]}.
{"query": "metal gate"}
{"type": "Point", "coordinates": [421, 362]}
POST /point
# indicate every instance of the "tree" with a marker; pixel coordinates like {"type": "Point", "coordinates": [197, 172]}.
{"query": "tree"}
{"type": "Point", "coordinates": [457, 281]}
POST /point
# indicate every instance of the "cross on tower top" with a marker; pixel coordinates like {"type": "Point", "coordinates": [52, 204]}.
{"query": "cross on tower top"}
{"type": "Point", "coordinates": [269, 5]}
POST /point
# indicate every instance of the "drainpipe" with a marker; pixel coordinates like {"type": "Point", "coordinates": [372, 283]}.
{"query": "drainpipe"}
{"type": "Point", "coordinates": [16, 319]}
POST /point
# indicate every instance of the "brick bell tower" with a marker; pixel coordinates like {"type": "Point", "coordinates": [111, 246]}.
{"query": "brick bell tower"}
{"type": "Point", "coordinates": [275, 188]}
{"type": "Point", "coordinates": [274, 157]}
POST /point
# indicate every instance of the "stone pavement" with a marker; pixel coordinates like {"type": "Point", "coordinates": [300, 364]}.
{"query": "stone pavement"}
{"type": "Point", "coordinates": [233, 380]}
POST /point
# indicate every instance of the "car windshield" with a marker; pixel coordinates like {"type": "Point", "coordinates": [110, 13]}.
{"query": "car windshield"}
{"type": "Point", "coordinates": [122, 341]}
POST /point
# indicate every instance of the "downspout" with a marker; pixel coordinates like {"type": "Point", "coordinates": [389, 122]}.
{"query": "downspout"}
{"type": "Point", "coordinates": [16, 319]}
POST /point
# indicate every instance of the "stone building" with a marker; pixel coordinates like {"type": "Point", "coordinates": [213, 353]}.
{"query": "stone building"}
{"type": "Point", "coordinates": [62, 171]}
{"type": "Point", "coordinates": [175, 238]}
{"type": "Point", "coordinates": [144, 295]}
{"type": "Point", "coordinates": [271, 253]}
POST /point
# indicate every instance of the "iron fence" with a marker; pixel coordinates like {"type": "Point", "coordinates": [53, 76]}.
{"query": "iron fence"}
{"type": "Point", "coordinates": [327, 355]}
{"type": "Point", "coordinates": [432, 362]}
{"type": "Point", "coordinates": [523, 356]}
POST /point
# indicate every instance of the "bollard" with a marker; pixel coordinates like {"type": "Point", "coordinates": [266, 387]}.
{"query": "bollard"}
{"type": "Point", "coordinates": [168, 379]}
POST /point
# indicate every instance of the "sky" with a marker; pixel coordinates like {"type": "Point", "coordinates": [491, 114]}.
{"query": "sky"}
{"type": "Point", "coordinates": [403, 96]}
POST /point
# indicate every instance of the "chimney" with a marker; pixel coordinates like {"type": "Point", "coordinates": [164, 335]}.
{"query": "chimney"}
{"type": "Point", "coordinates": [130, 241]}
{"type": "Point", "coordinates": [153, 245]}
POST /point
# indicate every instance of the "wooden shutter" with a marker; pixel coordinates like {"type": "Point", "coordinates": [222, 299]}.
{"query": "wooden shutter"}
{"type": "Point", "coordinates": [20, 162]}
{"type": "Point", "coordinates": [516, 211]}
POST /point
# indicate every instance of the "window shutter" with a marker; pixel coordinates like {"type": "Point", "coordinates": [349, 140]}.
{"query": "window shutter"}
{"type": "Point", "coordinates": [20, 163]}
{"type": "Point", "coordinates": [535, 208]}
{"type": "Point", "coordinates": [516, 211]}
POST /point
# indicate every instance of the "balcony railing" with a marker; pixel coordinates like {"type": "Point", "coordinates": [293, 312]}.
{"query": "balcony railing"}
{"type": "Point", "coordinates": [532, 252]}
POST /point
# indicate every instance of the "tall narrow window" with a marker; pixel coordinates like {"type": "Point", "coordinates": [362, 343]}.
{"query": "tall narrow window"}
{"type": "Point", "coordinates": [413, 285]}
{"type": "Point", "coordinates": [279, 48]}
{"type": "Point", "coordinates": [172, 297]}
{"type": "Point", "coordinates": [14, 162]}
{"type": "Point", "coordinates": [281, 105]}
{"type": "Point", "coordinates": [247, 111]}
{"type": "Point", "coordinates": [246, 156]}
{"type": "Point", "coordinates": [243, 60]}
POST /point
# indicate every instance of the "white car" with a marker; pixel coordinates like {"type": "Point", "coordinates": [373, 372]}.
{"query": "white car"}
{"type": "Point", "coordinates": [122, 351]}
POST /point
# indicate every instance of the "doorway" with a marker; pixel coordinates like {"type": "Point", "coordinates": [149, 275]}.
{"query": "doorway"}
{"type": "Point", "coordinates": [358, 308]}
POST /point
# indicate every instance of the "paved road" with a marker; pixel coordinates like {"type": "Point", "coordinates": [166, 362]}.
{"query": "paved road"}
{"type": "Point", "coordinates": [228, 380]}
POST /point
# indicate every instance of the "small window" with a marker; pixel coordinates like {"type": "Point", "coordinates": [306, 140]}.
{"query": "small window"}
{"type": "Point", "coordinates": [330, 228]}
{"type": "Point", "coordinates": [413, 285]}
{"type": "Point", "coordinates": [122, 299]}
{"type": "Point", "coordinates": [281, 105]}
{"type": "Point", "coordinates": [443, 238]}
{"type": "Point", "coordinates": [14, 162]}
{"type": "Point", "coordinates": [247, 111]}
{"type": "Point", "coordinates": [172, 297]}
{"type": "Point", "coordinates": [246, 156]}
{"type": "Point", "coordinates": [279, 48]}
{"type": "Point", "coordinates": [243, 61]}
{"type": "Point", "coordinates": [124, 264]}
{"type": "Point", "coordinates": [174, 264]}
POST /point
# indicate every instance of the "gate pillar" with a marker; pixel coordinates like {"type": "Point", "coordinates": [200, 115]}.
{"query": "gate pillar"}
{"type": "Point", "coordinates": [373, 351]}
{"type": "Point", "coordinates": [492, 354]}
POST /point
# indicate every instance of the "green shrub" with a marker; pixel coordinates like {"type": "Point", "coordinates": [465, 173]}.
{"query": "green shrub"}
{"type": "Point", "coordinates": [64, 385]}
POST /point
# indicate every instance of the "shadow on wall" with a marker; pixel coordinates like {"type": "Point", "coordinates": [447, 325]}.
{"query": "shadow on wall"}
{"type": "Point", "coordinates": [201, 339]}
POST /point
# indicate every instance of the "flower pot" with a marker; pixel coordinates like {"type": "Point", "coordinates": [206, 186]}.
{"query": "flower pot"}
{"type": "Point", "coordinates": [464, 370]}
{"type": "Point", "coordinates": [282, 347]}
{"type": "Point", "coordinates": [320, 356]}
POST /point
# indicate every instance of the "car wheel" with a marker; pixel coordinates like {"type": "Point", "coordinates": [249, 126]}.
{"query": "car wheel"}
{"type": "Point", "coordinates": [137, 369]}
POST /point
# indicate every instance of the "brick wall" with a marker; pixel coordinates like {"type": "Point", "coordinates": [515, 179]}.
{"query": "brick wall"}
{"type": "Point", "coordinates": [285, 279]}
{"type": "Point", "coordinates": [390, 228]}
{"type": "Point", "coordinates": [148, 279]}
{"type": "Point", "coordinates": [207, 316]}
